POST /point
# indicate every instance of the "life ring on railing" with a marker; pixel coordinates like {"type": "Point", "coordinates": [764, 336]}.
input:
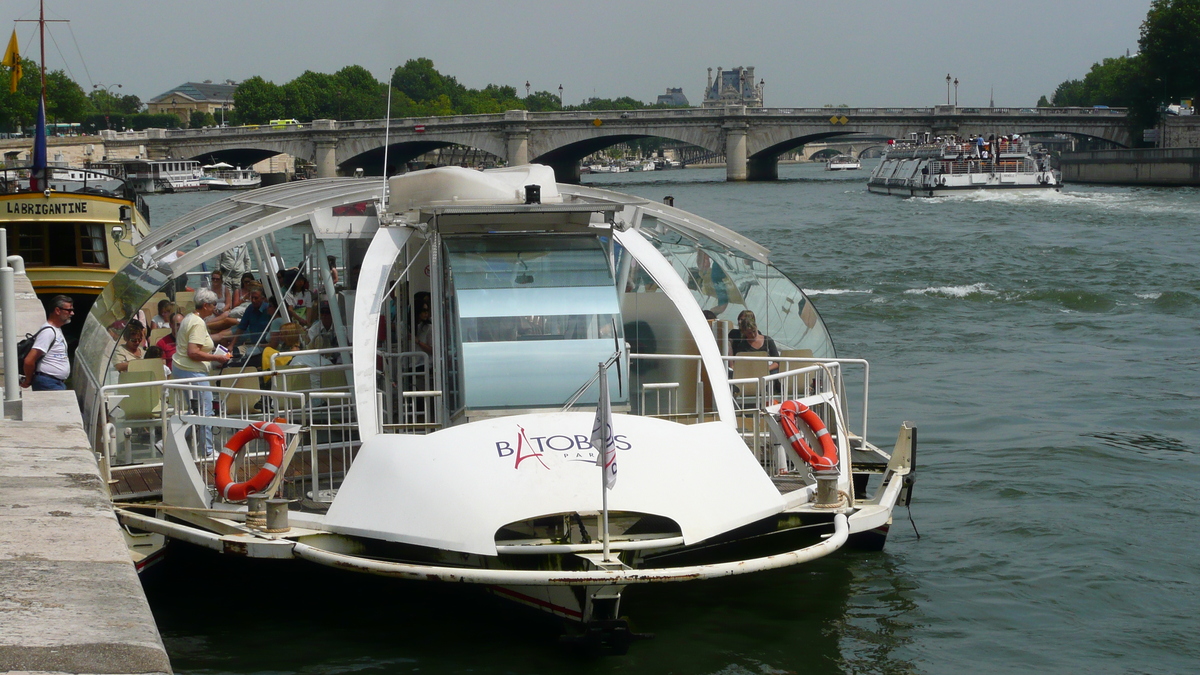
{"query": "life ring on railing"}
{"type": "Point", "coordinates": [236, 492]}
{"type": "Point", "coordinates": [787, 419]}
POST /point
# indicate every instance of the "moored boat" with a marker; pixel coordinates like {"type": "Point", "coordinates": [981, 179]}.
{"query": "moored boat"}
{"type": "Point", "coordinates": [940, 167]}
{"type": "Point", "coordinates": [222, 176]}
{"type": "Point", "coordinates": [149, 176]}
{"type": "Point", "coordinates": [842, 163]}
{"type": "Point", "coordinates": [499, 335]}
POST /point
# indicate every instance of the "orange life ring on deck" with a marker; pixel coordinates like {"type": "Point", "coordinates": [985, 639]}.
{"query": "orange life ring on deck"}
{"type": "Point", "coordinates": [236, 492]}
{"type": "Point", "coordinates": [787, 419]}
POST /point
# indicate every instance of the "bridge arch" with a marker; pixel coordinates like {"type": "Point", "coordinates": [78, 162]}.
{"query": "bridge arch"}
{"type": "Point", "coordinates": [235, 156]}
{"type": "Point", "coordinates": [563, 148]}
{"type": "Point", "coordinates": [565, 159]}
{"type": "Point", "coordinates": [398, 155]}
{"type": "Point", "coordinates": [764, 164]}
{"type": "Point", "coordinates": [366, 152]}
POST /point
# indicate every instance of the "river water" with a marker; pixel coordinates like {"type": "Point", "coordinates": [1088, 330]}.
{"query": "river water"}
{"type": "Point", "coordinates": [1046, 346]}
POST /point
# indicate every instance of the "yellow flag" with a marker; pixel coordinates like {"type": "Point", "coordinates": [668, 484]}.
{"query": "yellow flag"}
{"type": "Point", "coordinates": [12, 59]}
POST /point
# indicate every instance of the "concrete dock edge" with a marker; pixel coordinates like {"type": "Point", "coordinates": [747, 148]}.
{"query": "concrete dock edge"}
{"type": "Point", "coordinates": [70, 599]}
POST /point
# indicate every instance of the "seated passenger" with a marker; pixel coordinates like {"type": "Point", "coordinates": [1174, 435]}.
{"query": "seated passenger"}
{"type": "Point", "coordinates": [751, 340]}
{"type": "Point", "coordinates": [165, 309]}
{"type": "Point", "coordinates": [156, 352]}
{"type": "Point", "coordinates": [254, 322]}
{"type": "Point", "coordinates": [241, 296]}
{"type": "Point", "coordinates": [299, 299]}
{"type": "Point", "coordinates": [220, 320]}
{"type": "Point", "coordinates": [286, 339]}
{"type": "Point", "coordinates": [167, 343]}
{"type": "Point", "coordinates": [131, 349]}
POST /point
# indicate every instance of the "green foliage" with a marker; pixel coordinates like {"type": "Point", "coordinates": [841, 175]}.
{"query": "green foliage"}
{"type": "Point", "coordinates": [1043, 102]}
{"type": "Point", "coordinates": [136, 122]}
{"type": "Point", "coordinates": [258, 101]}
{"type": "Point", "coordinates": [65, 100]}
{"type": "Point", "coordinates": [200, 119]}
{"type": "Point", "coordinates": [542, 101]}
{"type": "Point", "coordinates": [623, 103]}
{"type": "Point", "coordinates": [1170, 48]}
{"type": "Point", "coordinates": [104, 101]}
{"type": "Point", "coordinates": [1163, 72]}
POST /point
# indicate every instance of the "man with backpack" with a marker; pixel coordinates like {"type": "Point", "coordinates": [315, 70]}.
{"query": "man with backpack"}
{"type": "Point", "coordinates": [46, 367]}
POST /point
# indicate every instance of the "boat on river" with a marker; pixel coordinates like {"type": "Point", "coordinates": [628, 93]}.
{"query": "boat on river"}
{"type": "Point", "coordinates": [150, 176]}
{"type": "Point", "coordinates": [843, 163]}
{"type": "Point", "coordinates": [941, 167]}
{"type": "Point", "coordinates": [222, 176]}
{"type": "Point", "coordinates": [497, 345]}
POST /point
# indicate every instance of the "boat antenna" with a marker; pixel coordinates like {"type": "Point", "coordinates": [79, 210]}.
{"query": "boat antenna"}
{"type": "Point", "coordinates": [387, 129]}
{"type": "Point", "coordinates": [41, 21]}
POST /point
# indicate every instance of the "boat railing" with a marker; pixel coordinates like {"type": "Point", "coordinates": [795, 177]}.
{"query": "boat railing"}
{"type": "Point", "coordinates": [675, 387]}
{"type": "Point", "coordinates": [976, 165]}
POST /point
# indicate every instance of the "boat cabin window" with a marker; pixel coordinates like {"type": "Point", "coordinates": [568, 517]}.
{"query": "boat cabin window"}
{"type": "Point", "coordinates": [532, 316]}
{"type": "Point", "coordinates": [50, 244]}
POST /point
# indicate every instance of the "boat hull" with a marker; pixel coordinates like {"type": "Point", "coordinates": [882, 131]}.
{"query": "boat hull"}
{"type": "Point", "coordinates": [948, 190]}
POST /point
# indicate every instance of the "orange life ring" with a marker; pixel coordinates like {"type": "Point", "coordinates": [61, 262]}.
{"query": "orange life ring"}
{"type": "Point", "coordinates": [236, 492]}
{"type": "Point", "coordinates": [787, 419]}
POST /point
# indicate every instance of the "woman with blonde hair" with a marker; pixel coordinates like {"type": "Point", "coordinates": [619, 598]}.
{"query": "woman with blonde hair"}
{"type": "Point", "coordinates": [750, 340]}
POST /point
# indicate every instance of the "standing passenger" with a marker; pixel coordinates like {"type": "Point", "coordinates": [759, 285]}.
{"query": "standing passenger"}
{"type": "Point", "coordinates": [47, 366]}
{"type": "Point", "coordinates": [196, 356]}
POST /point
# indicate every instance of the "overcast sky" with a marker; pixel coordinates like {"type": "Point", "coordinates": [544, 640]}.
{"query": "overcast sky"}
{"type": "Point", "coordinates": [809, 52]}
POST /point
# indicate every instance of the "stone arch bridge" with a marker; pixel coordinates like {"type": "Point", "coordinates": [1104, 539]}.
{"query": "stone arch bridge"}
{"type": "Point", "coordinates": [752, 139]}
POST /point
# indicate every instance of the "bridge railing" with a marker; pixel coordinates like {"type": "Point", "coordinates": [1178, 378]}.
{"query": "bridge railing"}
{"type": "Point", "coordinates": [613, 115]}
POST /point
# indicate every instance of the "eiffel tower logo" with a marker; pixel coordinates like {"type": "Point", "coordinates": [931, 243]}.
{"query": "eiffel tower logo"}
{"type": "Point", "coordinates": [523, 454]}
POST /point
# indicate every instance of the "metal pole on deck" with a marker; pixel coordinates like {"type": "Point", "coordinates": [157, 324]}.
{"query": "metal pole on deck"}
{"type": "Point", "coordinates": [8, 324]}
{"type": "Point", "coordinates": [603, 381]}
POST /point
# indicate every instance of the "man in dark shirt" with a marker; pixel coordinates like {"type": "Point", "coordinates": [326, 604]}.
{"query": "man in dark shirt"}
{"type": "Point", "coordinates": [254, 321]}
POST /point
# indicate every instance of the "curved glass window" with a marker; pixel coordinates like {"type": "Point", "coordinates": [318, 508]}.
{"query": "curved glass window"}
{"type": "Point", "coordinates": [726, 283]}
{"type": "Point", "coordinates": [534, 317]}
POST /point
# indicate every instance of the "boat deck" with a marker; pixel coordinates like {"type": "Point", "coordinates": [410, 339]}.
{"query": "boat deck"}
{"type": "Point", "coordinates": [143, 482]}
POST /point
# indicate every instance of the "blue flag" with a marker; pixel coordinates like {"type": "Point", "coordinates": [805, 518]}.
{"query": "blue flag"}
{"type": "Point", "coordinates": [37, 180]}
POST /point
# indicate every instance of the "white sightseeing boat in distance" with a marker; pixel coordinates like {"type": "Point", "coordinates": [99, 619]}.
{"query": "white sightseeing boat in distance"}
{"type": "Point", "coordinates": [149, 176]}
{"type": "Point", "coordinates": [843, 163]}
{"type": "Point", "coordinates": [936, 168]}
{"type": "Point", "coordinates": [222, 176]}
{"type": "Point", "coordinates": [473, 461]}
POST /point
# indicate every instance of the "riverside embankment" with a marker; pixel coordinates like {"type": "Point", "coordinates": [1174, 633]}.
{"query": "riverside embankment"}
{"type": "Point", "coordinates": [70, 600]}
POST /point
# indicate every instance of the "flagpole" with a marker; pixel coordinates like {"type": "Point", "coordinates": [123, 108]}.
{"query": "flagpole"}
{"type": "Point", "coordinates": [603, 381]}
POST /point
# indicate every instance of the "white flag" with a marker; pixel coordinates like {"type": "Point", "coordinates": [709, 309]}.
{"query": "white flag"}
{"type": "Point", "coordinates": [602, 434]}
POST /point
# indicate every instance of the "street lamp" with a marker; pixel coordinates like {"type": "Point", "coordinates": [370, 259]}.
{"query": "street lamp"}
{"type": "Point", "coordinates": [956, 92]}
{"type": "Point", "coordinates": [526, 88]}
{"type": "Point", "coordinates": [107, 104]}
{"type": "Point", "coordinates": [560, 99]}
{"type": "Point", "coordinates": [762, 97]}
{"type": "Point", "coordinates": [947, 88]}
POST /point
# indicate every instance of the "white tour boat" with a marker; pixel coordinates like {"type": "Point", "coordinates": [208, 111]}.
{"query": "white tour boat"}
{"type": "Point", "coordinates": [155, 175]}
{"type": "Point", "coordinates": [222, 176]}
{"type": "Point", "coordinates": [937, 168]}
{"type": "Point", "coordinates": [493, 331]}
{"type": "Point", "coordinates": [842, 163]}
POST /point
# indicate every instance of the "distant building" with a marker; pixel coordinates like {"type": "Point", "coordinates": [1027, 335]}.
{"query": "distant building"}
{"type": "Point", "coordinates": [732, 87]}
{"type": "Point", "coordinates": [194, 96]}
{"type": "Point", "coordinates": [674, 97]}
